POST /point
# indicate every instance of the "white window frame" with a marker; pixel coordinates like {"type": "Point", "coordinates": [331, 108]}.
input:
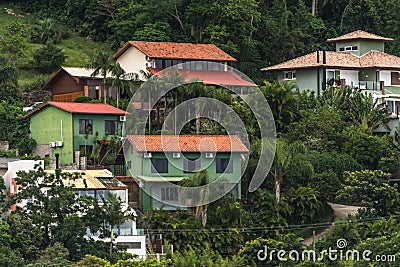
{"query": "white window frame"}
{"type": "Point", "coordinates": [292, 74]}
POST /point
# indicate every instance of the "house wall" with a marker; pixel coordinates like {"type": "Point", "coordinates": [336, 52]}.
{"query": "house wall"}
{"type": "Point", "coordinates": [364, 46]}
{"type": "Point", "coordinates": [306, 79]}
{"type": "Point", "coordinates": [142, 166]}
{"type": "Point", "coordinates": [64, 83]}
{"type": "Point", "coordinates": [52, 124]}
{"type": "Point", "coordinates": [351, 77]}
{"type": "Point", "coordinates": [98, 124]}
{"type": "Point", "coordinates": [384, 76]}
{"type": "Point", "coordinates": [367, 75]}
{"type": "Point", "coordinates": [132, 61]}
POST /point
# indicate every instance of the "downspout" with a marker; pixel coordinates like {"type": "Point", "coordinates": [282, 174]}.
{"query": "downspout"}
{"type": "Point", "coordinates": [318, 78]}
{"type": "Point", "coordinates": [324, 68]}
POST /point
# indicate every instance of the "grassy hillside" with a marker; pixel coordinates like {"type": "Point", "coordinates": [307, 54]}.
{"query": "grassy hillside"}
{"type": "Point", "coordinates": [77, 49]}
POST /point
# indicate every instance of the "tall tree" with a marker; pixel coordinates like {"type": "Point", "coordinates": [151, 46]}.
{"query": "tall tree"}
{"type": "Point", "coordinates": [102, 64]}
{"type": "Point", "coordinates": [120, 80]}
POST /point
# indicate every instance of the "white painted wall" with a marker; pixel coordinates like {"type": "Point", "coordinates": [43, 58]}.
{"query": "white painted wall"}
{"type": "Point", "coordinates": [133, 61]}
{"type": "Point", "coordinates": [351, 76]}
{"type": "Point", "coordinates": [384, 75]}
{"type": "Point", "coordinates": [16, 166]}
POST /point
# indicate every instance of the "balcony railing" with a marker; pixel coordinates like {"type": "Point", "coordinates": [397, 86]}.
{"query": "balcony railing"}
{"type": "Point", "coordinates": [366, 85]}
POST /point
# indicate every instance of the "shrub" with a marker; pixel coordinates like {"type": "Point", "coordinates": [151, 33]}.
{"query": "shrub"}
{"type": "Point", "coordinates": [48, 58]}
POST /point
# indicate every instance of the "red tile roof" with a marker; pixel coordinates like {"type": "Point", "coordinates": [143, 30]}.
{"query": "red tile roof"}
{"type": "Point", "coordinates": [84, 108]}
{"type": "Point", "coordinates": [171, 50]}
{"type": "Point", "coordinates": [343, 60]}
{"type": "Point", "coordinates": [187, 143]}
{"type": "Point", "coordinates": [359, 35]}
{"type": "Point", "coordinates": [228, 78]}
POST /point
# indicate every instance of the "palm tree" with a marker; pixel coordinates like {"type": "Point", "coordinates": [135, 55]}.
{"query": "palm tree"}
{"type": "Point", "coordinates": [366, 112]}
{"type": "Point", "coordinates": [284, 154]}
{"type": "Point", "coordinates": [120, 80]}
{"type": "Point", "coordinates": [114, 214]}
{"type": "Point", "coordinates": [102, 64]}
{"type": "Point", "coordinates": [198, 179]}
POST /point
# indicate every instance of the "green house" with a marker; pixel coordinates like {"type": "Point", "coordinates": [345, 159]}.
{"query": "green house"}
{"type": "Point", "coordinates": [359, 61]}
{"type": "Point", "coordinates": [70, 130]}
{"type": "Point", "coordinates": [156, 162]}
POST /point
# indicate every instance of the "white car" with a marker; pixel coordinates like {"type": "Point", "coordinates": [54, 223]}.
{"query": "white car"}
{"type": "Point", "coordinates": [32, 107]}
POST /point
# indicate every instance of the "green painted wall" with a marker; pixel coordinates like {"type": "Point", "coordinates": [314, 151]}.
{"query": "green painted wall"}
{"type": "Point", "coordinates": [364, 46]}
{"type": "Point", "coordinates": [367, 75]}
{"type": "Point", "coordinates": [142, 166]}
{"type": "Point", "coordinates": [98, 126]}
{"type": "Point", "coordinates": [52, 124]}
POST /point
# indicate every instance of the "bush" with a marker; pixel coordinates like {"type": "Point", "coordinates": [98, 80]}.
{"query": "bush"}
{"type": "Point", "coordinates": [327, 183]}
{"type": "Point", "coordinates": [370, 188]}
{"type": "Point", "coordinates": [335, 162]}
{"type": "Point", "coordinates": [48, 58]}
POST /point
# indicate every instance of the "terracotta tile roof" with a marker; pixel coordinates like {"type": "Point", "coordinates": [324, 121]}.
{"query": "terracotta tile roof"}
{"type": "Point", "coordinates": [344, 60]}
{"type": "Point", "coordinates": [85, 108]}
{"type": "Point", "coordinates": [187, 143]}
{"type": "Point", "coordinates": [171, 50]}
{"type": "Point", "coordinates": [381, 60]}
{"type": "Point", "coordinates": [333, 59]}
{"type": "Point", "coordinates": [209, 77]}
{"type": "Point", "coordinates": [359, 35]}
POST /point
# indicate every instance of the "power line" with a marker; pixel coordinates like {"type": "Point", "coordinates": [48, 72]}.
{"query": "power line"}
{"type": "Point", "coordinates": [269, 229]}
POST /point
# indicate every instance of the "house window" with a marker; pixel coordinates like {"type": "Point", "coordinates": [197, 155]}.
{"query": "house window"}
{"type": "Point", "coordinates": [85, 126]}
{"type": "Point", "coordinates": [129, 164]}
{"type": "Point", "coordinates": [191, 166]}
{"type": "Point", "coordinates": [289, 75]}
{"type": "Point", "coordinates": [224, 165]}
{"type": "Point", "coordinates": [159, 165]}
{"type": "Point", "coordinates": [348, 48]}
{"type": "Point", "coordinates": [159, 63]}
{"type": "Point", "coordinates": [86, 150]}
{"type": "Point", "coordinates": [169, 193]}
{"type": "Point", "coordinates": [389, 106]}
{"type": "Point", "coordinates": [111, 127]}
{"type": "Point", "coordinates": [131, 245]}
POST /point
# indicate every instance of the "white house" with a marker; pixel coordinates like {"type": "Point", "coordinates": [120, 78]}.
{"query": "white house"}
{"type": "Point", "coordinates": [205, 62]}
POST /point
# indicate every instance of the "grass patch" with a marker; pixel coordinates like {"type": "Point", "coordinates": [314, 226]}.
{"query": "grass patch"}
{"type": "Point", "coordinates": [77, 49]}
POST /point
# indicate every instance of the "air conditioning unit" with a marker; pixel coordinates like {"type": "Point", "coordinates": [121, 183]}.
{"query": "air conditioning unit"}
{"type": "Point", "coordinates": [59, 143]}
{"type": "Point", "coordinates": [52, 144]}
{"type": "Point", "coordinates": [149, 65]}
{"type": "Point", "coordinates": [122, 118]}
{"type": "Point", "coordinates": [176, 155]}
{"type": "Point", "coordinates": [209, 155]}
{"type": "Point", "coordinates": [147, 155]}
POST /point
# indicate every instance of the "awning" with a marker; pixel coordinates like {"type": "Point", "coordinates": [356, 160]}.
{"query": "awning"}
{"type": "Point", "coordinates": [228, 78]}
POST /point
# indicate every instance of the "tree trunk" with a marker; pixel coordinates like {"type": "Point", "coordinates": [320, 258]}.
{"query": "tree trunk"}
{"type": "Point", "coordinates": [204, 215]}
{"type": "Point", "coordinates": [111, 240]}
{"type": "Point", "coordinates": [277, 191]}
{"type": "Point", "coordinates": [314, 5]}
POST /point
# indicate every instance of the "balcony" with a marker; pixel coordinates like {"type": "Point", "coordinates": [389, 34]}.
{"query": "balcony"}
{"type": "Point", "coordinates": [366, 85]}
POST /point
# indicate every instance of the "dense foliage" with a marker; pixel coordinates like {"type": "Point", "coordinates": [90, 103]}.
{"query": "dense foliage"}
{"type": "Point", "coordinates": [326, 150]}
{"type": "Point", "coordinates": [259, 32]}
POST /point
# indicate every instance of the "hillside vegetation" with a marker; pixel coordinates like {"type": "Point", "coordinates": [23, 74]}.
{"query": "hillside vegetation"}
{"type": "Point", "coordinates": [77, 49]}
